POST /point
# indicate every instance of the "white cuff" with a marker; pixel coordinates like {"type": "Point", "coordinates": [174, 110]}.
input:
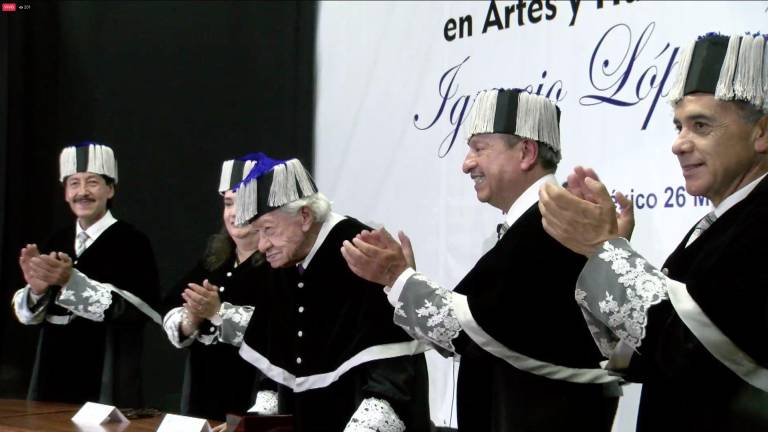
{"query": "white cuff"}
{"type": "Point", "coordinates": [172, 325]}
{"type": "Point", "coordinates": [375, 415]}
{"type": "Point", "coordinates": [394, 293]}
{"type": "Point", "coordinates": [21, 307]}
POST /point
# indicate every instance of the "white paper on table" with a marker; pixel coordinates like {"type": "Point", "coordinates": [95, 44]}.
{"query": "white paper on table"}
{"type": "Point", "coordinates": [92, 413]}
{"type": "Point", "coordinates": [177, 423]}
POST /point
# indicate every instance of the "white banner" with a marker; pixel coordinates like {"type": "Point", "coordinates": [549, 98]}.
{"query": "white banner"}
{"type": "Point", "coordinates": [396, 79]}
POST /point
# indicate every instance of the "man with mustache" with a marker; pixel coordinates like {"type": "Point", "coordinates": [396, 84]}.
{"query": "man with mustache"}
{"type": "Point", "coordinates": [694, 331]}
{"type": "Point", "coordinates": [90, 289]}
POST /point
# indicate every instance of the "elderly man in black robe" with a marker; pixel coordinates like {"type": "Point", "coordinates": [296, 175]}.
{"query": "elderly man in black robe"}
{"type": "Point", "coordinates": [318, 329]}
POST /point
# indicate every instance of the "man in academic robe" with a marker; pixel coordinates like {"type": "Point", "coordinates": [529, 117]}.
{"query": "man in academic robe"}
{"type": "Point", "coordinates": [694, 331]}
{"type": "Point", "coordinates": [527, 361]}
{"type": "Point", "coordinates": [318, 329]}
{"type": "Point", "coordinates": [90, 289]}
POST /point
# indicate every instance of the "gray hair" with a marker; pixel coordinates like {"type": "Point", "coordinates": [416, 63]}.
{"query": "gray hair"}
{"type": "Point", "coordinates": [317, 203]}
{"type": "Point", "coordinates": [547, 157]}
{"type": "Point", "coordinates": [748, 112]}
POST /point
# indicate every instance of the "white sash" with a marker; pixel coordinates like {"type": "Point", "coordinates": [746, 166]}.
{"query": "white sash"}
{"type": "Point", "coordinates": [715, 341]}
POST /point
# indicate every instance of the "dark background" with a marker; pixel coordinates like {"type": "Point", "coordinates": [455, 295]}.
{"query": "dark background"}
{"type": "Point", "coordinates": [175, 87]}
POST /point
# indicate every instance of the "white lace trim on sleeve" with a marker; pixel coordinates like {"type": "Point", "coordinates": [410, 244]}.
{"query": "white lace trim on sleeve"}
{"type": "Point", "coordinates": [266, 403]}
{"type": "Point", "coordinates": [85, 297]}
{"type": "Point", "coordinates": [234, 321]}
{"type": "Point", "coordinates": [615, 291]}
{"type": "Point", "coordinates": [425, 311]}
{"type": "Point", "coordinates": [375, 415]}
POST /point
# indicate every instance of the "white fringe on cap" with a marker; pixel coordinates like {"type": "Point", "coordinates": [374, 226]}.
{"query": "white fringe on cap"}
{"type": "Point", "coordinates": [101, 160]}
{"type": "Point", "coordinates": [724, 89]}
{"type": "Point", "coordinates": [284, 179]}
{"type": "Point", "coordinates": [676, 92]}
{"type": "Point", "coordinates": [537, 120]}
{"type": "Point", "coordinates": [226, 176]}
{"type": "Point", "coordinates": [246, 202]}
{"type": "Point", "coordinates": [482, 114]}
{"type": "Point", "coordinates": [104, 160]}
{"type": "Point", "coordinates": [765, 78]}
{"type": "Point", "coordinates": [283, 190]}
{"type": "Point", "coordinates": [93, 164]}
{"type": "Point", "coordinates": [67, 163]}
{"type": "Point", "coordinates": [748, 81]}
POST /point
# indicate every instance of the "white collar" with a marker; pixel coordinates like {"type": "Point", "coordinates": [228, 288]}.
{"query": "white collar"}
{"type": "Point", "coordinates": [95, 230]}
{"type": "Point", "coordinates": [527, 199]}
{"type": "Point", "coordinates": [734, 198]}
{"type": "Point", "coordinates": [330, 222]}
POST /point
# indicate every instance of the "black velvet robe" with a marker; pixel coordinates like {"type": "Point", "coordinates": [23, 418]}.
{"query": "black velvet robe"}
{"type": "Point", "coordinates": [521, 294]}
{"type": "Point", "coordinates": [99, 361]}
{"type": "Point", "coordinates": [726, 273]}
{"type": "Point", "coordinates": [339, 315]}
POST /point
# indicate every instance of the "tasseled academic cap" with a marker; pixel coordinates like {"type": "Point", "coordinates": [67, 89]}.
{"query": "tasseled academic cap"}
{"type": "Point", "coordinates": [234, 171]}
{"type": "Point", "coordinates": [87, 157]}
{"type": "Point", "coordinates": [515, 112]}
{"type": "Point", "coordinates": [271, 184]}
{"type": "Point", "coordinates": [731, 68]}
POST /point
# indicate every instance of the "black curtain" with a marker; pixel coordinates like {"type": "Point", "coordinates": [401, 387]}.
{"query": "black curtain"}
{"type": "Point", "coordinates": [175, 87]}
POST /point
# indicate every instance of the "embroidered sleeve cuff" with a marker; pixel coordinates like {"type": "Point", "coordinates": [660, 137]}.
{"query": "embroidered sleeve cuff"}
{"type": "Point", "coordinates": [375, 415]}
{"type": "Point", "coordinates": [234, 321]}
{"type": "Point", "coordinates": [266, 403]}
{"type": "Point", "coordinates": [425, 311]}
{"type": "Point", "coordinates": [393, 294]}
{"type": "Point", "coordinates": [85, 297]}
{"type": "Point", "coordinates": [172, 325]}
{"type": "Point", "coordinates": [28, 312]}
{"type": "Point", "coordinates": [615, 290]}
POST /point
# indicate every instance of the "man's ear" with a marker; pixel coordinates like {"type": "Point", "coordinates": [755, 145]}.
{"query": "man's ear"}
{"type": "Point", "coordinates": [761, 135]}
{"type": "Point", "coordinates": [307, 218]}
{"type": "Point", "coordinates": [530, 152]}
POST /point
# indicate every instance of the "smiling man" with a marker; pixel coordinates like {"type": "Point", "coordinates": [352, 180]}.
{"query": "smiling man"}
{"type": "Point", "coordinates": [90, 291]}
{"type": "Point", "coordinates": [527, 361]}
{"type": "Point", "coordinates": [317, 328]}
{"type": "Point", "coordinates": [693, 333]}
